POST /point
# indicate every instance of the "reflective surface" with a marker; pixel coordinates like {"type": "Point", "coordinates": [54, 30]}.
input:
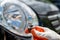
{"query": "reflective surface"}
{"type": "Point", "coordinates": [16, 17]}
{"type": "Point", "coordinates": [1, 1]}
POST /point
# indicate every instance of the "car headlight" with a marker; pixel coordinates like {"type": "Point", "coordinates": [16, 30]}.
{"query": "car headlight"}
{"type": "Point", "coordinates": [16, 16]}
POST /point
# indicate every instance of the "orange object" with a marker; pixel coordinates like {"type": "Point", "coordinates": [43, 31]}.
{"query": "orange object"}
{"type": "Point", "coordinates": [35, 36]}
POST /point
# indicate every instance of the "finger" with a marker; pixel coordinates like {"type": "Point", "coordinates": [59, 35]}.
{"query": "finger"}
{"type": "Point", "coordinates": [26, 31]}
{"type": "Point", "coordinates": [40, 33]}
{"type": "Point", "coordinates": [38, 36]}
{"type": "Point", "coordinates": [40, 27]}
{"type": "Point", "coordinates": [46, 29]}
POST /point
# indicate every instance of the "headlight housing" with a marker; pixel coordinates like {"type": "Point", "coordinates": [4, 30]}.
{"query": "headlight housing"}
{"type": "Point", "coordinates": [16, 16]}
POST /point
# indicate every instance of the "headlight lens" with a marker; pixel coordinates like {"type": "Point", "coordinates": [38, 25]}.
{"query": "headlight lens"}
{"type": "Point", "coordinates": [16, 17]}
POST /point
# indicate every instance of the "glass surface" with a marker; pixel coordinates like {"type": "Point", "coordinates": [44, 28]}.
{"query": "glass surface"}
{"type": "Point", "coordinates": [1, 1]}
{"type": "Point", "coordinates": [17, 18]}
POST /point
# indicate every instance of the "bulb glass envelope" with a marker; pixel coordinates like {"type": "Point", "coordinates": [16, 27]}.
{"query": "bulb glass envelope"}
{"type": "Point", "coordinates": [16, 16]}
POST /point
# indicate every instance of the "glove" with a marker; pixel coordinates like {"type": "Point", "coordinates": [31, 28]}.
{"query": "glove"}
{"type": "Point", "coordinates": [46, 34]}
{"type": "Point", "coordinates": [51, 35]}
{"type": "Point", "coordinates": [35, 36]}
